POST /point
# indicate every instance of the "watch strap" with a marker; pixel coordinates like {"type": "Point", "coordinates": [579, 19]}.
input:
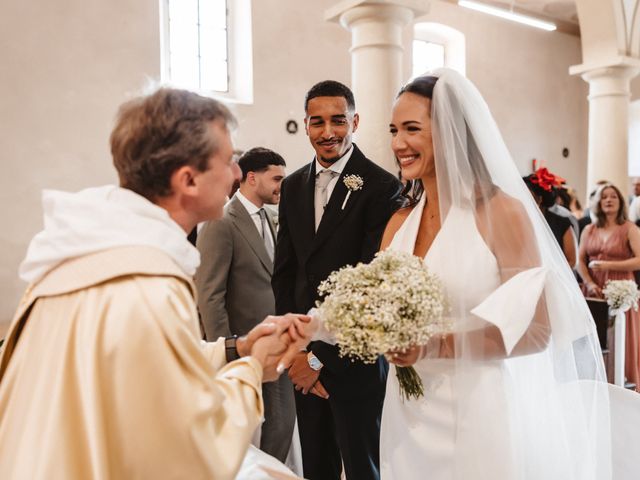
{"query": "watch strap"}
{"type": "Point", "coordinates": [230, 348]}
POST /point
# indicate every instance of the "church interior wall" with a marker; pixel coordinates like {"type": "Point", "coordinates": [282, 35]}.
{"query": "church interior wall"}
{"type": "Point", "coordinates": [67, 65]}
{"type": "Point", "coordinates": [523, 75]}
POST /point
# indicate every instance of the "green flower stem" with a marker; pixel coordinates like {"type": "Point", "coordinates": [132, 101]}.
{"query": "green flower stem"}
{"type": "Point", "coordinates": [410, 383]}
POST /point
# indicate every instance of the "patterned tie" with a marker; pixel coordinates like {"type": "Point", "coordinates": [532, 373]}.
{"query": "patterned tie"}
{"type": "Point", "coordinates": [266, 233]}
{"type": "Point", "coordinates": [323, 178]}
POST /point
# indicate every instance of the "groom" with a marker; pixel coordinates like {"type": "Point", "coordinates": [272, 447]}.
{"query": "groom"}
{"type": "Point", "coordinates": [325, 225]}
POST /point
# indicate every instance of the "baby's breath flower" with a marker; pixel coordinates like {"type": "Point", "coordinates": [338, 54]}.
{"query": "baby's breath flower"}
{"type": "Point", "coordinates": [621, 295]}
{"type": "Point", "coordinates": [392, 303]}
{"type": "Point", "coordinates": [353, 182]}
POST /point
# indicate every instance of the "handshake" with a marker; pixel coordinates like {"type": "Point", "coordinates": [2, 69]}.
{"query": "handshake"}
{"type": "Point", "coordinates": [276, 341]}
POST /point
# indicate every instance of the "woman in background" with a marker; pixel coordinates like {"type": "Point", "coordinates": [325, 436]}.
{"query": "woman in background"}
{"type": "Point", "coordinates": [543, 194]}
{"type": "Point", "coordinates": [610, 250]}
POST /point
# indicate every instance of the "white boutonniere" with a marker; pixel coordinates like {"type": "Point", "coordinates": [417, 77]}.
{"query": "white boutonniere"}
{"type": "Point", "coordinates": [353, 183]}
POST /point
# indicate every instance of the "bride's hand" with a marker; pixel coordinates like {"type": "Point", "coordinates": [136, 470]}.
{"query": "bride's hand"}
{"type": "Point", "coordinates": [404, 358]}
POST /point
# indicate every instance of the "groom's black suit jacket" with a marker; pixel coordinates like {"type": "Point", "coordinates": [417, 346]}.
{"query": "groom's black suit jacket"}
{"type": "Point", "coordinates": [304, 258]}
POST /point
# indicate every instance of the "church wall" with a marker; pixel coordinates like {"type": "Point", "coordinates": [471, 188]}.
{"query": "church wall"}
{"type": "Point", "coordinates": [67, 65]}
{"type": "Point", "coordinates": [292, 51]}
{"type": "Point", "coordinates": [522, 72]}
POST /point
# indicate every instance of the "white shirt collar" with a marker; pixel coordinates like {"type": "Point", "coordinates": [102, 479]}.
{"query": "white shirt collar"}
{"type": "Point", "coordinates": [247, 204]}
{"type": "Point", "coordinates": [338, 166]}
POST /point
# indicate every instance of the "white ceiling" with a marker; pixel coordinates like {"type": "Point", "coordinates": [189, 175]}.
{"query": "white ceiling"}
{"type": "Point", "coordinates": [564, 10]}
{"type": "Point", "coordinates": [561, 12]}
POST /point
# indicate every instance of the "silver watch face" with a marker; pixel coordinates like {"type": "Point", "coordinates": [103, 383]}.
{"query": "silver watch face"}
{"type": "Point", "coordinates": [314, 363]}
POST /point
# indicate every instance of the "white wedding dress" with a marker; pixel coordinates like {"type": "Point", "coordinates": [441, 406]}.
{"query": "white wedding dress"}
{"type": "Point", "coordinates": [419, 438]}
{"type": "Point", "coordinates": [526, 396]}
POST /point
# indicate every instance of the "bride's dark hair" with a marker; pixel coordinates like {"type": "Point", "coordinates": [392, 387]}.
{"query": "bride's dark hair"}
{"type": "Point", "coordinates": [424, 86]}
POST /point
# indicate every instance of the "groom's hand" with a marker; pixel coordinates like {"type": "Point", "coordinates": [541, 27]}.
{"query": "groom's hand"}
{"type": "Point", "coordinates": [301, 374]}
{"type": "Point", "coordinates": [319, 390]}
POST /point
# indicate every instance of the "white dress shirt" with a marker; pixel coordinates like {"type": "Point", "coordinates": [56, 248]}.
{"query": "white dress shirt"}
{"type": "Point", "coordinates": [337, 167]}
{"type": "Point", "coordinates": [253, 211]}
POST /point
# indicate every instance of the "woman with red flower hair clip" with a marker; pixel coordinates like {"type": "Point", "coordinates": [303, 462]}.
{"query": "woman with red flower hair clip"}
{"type": "Point", "coordinates": [541, 184]}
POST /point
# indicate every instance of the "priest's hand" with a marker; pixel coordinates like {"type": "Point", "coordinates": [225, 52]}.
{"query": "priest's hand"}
{"type": "Point", "coordinates": [268, 349]}
{"type": "Point", "coordinates": [272, 339]}
{"type": "Point", "coordinates": [269, 325]}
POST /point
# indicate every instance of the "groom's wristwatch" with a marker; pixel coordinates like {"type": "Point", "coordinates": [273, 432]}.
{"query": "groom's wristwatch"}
{"type": "Point", "coordinates": [314, 362]}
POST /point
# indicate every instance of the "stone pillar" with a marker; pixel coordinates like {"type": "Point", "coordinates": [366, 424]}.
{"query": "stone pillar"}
{"type": "Point", "coordinates": [377, 71]}
{"type": "Point", "coordinates": [609, 94]}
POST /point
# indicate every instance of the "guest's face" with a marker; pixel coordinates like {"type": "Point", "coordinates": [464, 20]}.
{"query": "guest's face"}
{"type": "Point", "coordinates": [609, 202]}
{"type": "Point", "coordinates": [411, 141]}
{"type": "Point", "coordinates": [214, 184]}
{"type": "Point", "coordinates": [636, 188]}
{"type": "Point", "coordinates": [268, 182]}
{"type": "Point", "coordinates": [330, 126]}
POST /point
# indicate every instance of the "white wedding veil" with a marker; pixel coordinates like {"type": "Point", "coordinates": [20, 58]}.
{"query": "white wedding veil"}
{"type": "Point", "coordinates": [535, 326]}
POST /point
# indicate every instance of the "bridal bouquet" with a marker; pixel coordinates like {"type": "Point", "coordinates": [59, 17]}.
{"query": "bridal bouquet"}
{"type": "Point", "coordinates": [392, 303]}
{"type": "Point", "coordinates": [621, 295]}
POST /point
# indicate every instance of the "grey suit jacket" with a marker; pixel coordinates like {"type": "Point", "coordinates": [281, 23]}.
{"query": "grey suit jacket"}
{"type": "Point", "coordinates": [234, 278]}
{"type": "Point", "coordinates": [234, 294]}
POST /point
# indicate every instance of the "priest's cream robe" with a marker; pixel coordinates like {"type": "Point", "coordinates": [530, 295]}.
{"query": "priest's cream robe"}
{"type": "Point", "coordinates": [104, 376]}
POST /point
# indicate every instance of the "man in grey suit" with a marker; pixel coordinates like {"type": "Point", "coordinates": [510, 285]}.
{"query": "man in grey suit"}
{"type": "Point", "coordinates": [234, 279]}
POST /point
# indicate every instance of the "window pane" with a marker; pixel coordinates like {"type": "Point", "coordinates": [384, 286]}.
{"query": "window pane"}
{"type": "Point", "coordinates": [213, 13]}
{"type": "Point", "coordinates": [198, 44]}
{"type": "Point", "coordinates": [183, 38]}
{"type": "Point", "coordinates": [184, 70]}
{"type": "Point", "coordinates": [185, 11]}
{"type": "Point", "coordinates": [213, 75]}
{"type": "Point", "coordinates": [427, 56]}
{"type": "Point", "coordinates": [213, 44]}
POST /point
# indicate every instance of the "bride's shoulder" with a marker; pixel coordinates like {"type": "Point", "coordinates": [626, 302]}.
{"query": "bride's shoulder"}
{"type": "Point", "coordinates": [505, 205]}
{"type": "Point", "coordinates": [394, 224]}
{"type": "Point", "coordinates": [503, 215]}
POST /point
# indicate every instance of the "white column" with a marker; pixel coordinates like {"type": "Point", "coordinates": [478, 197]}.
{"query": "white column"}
{"type": "Point", "coordinates": [376, 66]}
{"type": "Point", "coordinates": [609, 94]}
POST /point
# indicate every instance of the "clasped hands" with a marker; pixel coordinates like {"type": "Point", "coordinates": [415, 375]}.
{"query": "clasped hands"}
{"type": "Point", "coordinates": [276, 342]}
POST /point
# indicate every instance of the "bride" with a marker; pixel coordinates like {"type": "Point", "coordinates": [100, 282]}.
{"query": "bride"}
{"type": "Point", "coordinates": [502, 400]}
{"type": "Point", "coordinates": [516, 391]}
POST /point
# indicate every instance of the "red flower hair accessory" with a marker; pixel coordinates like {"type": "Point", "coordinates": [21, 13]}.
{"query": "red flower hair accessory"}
{"type": "Point", "coordinates": [546, 180]}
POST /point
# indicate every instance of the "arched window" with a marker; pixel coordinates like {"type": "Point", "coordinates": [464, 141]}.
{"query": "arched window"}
{"type": "Point", "coordinates": [436, 45]}
{"type": "Point", "coordinates": [206, 45]}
